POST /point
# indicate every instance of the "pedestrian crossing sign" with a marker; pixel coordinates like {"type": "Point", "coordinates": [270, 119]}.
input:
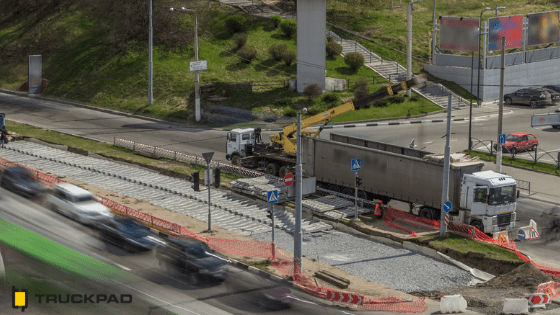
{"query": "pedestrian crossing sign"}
{"type": "Point", "coordinates": [356, 164]}
{"type": "Point", "coordinates": [272, 196]}
{"type": "Point", "coordinates": [534, 234]}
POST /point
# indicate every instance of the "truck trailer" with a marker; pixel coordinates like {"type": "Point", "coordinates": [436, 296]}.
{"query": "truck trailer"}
{"type": "Point", "coordinates": [484, 199]}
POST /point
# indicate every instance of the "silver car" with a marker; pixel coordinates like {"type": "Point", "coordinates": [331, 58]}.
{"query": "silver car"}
{"type": "Point", "coordinates": [78, 204]}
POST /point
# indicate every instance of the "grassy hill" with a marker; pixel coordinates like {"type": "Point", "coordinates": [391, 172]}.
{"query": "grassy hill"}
{"type": "Point", "coordinates": [96, 52]}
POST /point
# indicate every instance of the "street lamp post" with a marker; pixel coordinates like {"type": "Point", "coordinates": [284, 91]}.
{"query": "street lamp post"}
{"type": "Point", "coordinates": [196, 77]}
{"type": "Point", "coordinates": [479, 34]}
{"type": "Point", "coordinates": [498, 8]}
{"type": "Point", "coordinates": [409, 46]}
{"type": "Point", "coordinates": [151, 62]}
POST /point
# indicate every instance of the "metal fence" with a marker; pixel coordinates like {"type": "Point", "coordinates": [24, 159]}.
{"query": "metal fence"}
{"type": "Point", "coordinates": [158, 152]}
{"type": "Point", "coordinates": [534, 155]}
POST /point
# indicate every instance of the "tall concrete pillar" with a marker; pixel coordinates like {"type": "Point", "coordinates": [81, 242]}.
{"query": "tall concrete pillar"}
{"type": "Point", "coordinates": [311, 42]}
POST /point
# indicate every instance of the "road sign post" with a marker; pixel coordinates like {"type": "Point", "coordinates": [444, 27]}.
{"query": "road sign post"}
{"type": "Point", "coordinates": [447, 207]}
{"type": "Point", "coordinates": [355, 166]}
{"type": "Point", "coordinates": [208, 158]}
{"type": "Point", "coordinates": [272, 198]}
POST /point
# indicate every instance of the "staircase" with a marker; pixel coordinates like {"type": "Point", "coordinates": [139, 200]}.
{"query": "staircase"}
{"type": "Point", "coordinates": [388, 69]}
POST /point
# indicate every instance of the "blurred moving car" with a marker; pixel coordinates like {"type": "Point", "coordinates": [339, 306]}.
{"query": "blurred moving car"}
{"type": "Point", "coordinates": [21, 181]}
{"type": "Point", "coordinates": [557, 110]}
{"type": "Point", "coordinates": [127, 233]}
{"type": "Point", "coordinates": [530, 96]}
{"type": "Point", "coordinates": [78, 204]}
{"type": "Point", "coordinates": [194, 258]}
{"type": "Point", "coordinates": [554, 91]}
{"type": "Point", "coordinates": [519, 141]}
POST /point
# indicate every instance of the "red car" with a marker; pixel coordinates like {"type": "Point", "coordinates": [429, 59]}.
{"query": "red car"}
{"type": "Point", "coordinates": [519, 141]}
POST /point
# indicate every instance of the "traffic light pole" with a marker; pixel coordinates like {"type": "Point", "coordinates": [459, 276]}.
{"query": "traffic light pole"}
{"type": "Point", "coordinates": [209, 212]}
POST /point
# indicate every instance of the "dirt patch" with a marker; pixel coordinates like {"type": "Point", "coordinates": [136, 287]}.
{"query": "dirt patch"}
{"type": "Point", "coordinates": [526, 275]}
{"type": "Point", "coordinates": [481, 262]}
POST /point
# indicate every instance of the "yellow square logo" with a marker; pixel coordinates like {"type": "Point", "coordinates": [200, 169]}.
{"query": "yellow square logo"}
{"type": "Point", "coordinates": [19, 299]}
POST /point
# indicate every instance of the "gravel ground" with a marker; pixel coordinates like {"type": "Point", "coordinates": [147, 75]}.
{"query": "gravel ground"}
{"type": "Point", "coordinates": [397, 268]}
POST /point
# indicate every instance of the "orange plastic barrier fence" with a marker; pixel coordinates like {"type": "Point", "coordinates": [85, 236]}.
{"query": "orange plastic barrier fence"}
{"type": "Point", "coordinates": [552, 288]}
{"type": "Point", "coordinates": [259, 249]}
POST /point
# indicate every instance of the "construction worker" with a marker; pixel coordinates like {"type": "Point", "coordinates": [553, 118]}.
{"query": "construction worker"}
{"type": "Point", "coordinates": [378, 211]}
{"type": "Point", "coordinates": [4, 136]}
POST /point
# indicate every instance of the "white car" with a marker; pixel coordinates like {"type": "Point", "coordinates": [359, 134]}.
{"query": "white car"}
{"type": "Point", "coordinates": [78, 204]}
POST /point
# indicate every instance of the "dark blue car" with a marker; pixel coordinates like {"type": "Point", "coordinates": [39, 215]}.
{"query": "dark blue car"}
{"type": "Point", "coordinates": [127, 233]}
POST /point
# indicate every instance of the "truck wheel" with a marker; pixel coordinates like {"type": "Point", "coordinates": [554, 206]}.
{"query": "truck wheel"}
{"type": "Point", "coordinates": [283, 171]}
{"type": "Point", "coordinates": [362, 194]}
{"type": "Point", "coordinates": [272, 169]}
{"type": "Point", "coordinates": [348, 191]}
{"type": "Point", "coordinates": [478, 224]}
{"type": "Point", "coordinates": [333, 187]}
{"type": "Point", "coordinates": [236, 160]}
{"type": "Point", "coordinates": [427, 213]}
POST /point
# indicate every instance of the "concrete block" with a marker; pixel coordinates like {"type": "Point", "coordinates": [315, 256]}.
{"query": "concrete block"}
{"type": "Point", "coordinates": [516, 306]}
{"type": "Point", "coordinates": [453, 304]}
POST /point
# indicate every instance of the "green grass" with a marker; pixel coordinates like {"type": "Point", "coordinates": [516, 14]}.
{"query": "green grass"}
{"type": "Point", "coordinates": [464, 246]}
{"type": "Point", "coordinates": [263, 264]}
{"type": "Point", "coordinates": [543, 167]}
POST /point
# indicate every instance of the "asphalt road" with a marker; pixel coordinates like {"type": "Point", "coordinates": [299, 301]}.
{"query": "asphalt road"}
{"type": "Point", "coordinates": [237, 295]}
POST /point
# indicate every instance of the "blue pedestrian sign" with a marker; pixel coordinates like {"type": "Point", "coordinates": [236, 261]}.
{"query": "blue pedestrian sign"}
{"type": "Point", "coordinates": [502, 139]}
{"type": "Point", "coordinates": [447, 206]}
{"type": "Point", "coordinates": [356, 164]}
{"type": "Point", "coordinates": [521, 235]}
{"type": "Point", "coordinates": [272, 196]}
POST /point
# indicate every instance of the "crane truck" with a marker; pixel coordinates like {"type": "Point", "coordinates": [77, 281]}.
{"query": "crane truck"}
{"type": "Point", "coordinates": [278, 157]}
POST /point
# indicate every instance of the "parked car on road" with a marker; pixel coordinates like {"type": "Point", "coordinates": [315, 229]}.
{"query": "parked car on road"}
{"type": "Point", "coordinates": [194, 258]}
{"type": "Point", "coordinates": [519, 141]}
{"type": "Point", "coordinates": [21, 181]}
{"type": "Point", "coordinates": [555, 94]}
{"type": "Point", "coordinates": [78, 204]}
{"type": "Point", "coordinates": [127, 233]}
{"type": "Point", "coordinates": [529, 96]}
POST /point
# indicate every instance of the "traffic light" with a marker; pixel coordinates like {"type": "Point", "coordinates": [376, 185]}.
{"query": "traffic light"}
{"type": "Point", "coordinates": [217, 178]}
{"type": "Point", "coordinates": [358, 181]}
{"type": "Point", "coordinates": [196, 179]}
{"type": "Point", "coordinates": [269, 214]}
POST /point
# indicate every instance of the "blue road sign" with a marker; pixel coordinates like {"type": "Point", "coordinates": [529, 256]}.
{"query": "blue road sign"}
{"type": "Point", "coordinates": [447, 206]}
{"type": "Point", "coordinates": [272, 196]}
{"type": "Point", "coordinates": [356, 164]}
{"type": "Point", "coordinates": [521, 235]}
{"type": "Point", "coordinates": [502, 139]}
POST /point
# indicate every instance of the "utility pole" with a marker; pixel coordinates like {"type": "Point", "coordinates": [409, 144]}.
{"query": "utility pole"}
{"type": "Point", "coordinates": [480, 57]}
{"type": "Point", "coordinates": [409, 48]}
{"type": "Point", "coordinates": [470, 110]}
{"type": "Point", "coordinates": [501, 102]}
{"type": "Point", "coordinates": [447, 157]}
{"type": "Point", "coordinates": [298, 240]}
{"type": "Point", "coordinates": [151, 62]}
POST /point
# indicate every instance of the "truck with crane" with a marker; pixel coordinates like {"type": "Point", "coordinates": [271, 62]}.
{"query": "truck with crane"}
{"type": "Point", "coordinates": [278, 157]}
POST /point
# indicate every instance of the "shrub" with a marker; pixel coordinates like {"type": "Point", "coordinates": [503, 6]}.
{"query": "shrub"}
{"type": "Point", "coordinates": [240, 39]}
{"type": "Point", "coordinates": [333, 49]}
{"type": "Point", "coordinates": [360, 82]}
{"type": "Point", "coordinates": [290, 112]}
{"type": "Point", "coordinates": [381, 103]}
{"type": "Point", "coordinates": [361, 92]}
{"type": "Point", "coordinates": [330, 39]}
{"type": "Point", "coordinates": [288, 27]}
{"type": "Point", "coordinates": [276, 20]}
{"type": "Point", "coordinates": [236, 24]}
{"type": "Point", "coordinates": [354, 60]}
{"type": "Point", "coordinates": [247, 54]}
{"type": "Point", "coordinates": [397, 99]}
{"type": "Point", "coordinates": [312, 90]}
{"type": "Point", "coordinates": [288, 57]}
{"type": "Point", "coordinates": [330, 98]}
{"type": "Point", "coordinates": [283, 102]}
{"type": "Point", "coordinates": [277, 50]}
{"type": "Point", "coordinates": [313, 111]}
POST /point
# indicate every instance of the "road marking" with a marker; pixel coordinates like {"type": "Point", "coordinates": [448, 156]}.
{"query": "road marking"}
{"type": "Point", "coordinates": [122, 267]}
{"type": "Point", "coordinates": [155, 298]}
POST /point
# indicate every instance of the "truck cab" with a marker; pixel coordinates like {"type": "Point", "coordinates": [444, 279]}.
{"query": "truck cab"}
{"type": "Point", "coordinates": [237, 142]}
{"type": "Point", "coordinates": [491, 199]}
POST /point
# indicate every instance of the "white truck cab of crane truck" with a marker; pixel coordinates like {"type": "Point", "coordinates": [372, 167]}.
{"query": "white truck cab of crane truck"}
{"type": "Point", "coordinates": [491, 199]}
{"type": "Point", "coordinates": [237, 141]}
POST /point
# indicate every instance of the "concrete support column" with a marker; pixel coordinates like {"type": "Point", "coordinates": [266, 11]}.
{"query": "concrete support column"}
{"type": "Point", "coordinates": [311, 43]}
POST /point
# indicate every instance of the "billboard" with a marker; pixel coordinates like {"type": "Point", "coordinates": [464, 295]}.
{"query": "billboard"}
{"type": "Point", "coordinates": [543, 28]}
{"type": "Point", "coordinates": [510, 27]}
{"type": "Point", "coordinates": [457, 33]}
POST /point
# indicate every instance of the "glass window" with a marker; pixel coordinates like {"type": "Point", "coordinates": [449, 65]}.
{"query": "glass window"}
{"type": "Point", "coordinates": [511, 138]}
{"type": "Point", "coordinates": [480, 195]}
{"type": "Point", "coordinates": [524, 138]}
{"type": "Point", "coordinates": [245, 136]}
{"type": "Point", "coordinates": [502, 195]}
{"type": "Point", "coordinates": [531, 137]}
{"type": "Point", "coordinates": [83, 198]}
{"type": "Point", "coordinates": [232, 137]}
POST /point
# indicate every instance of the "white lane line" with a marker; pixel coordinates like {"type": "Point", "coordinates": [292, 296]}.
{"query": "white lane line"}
{"type": "Point", "coordinates": [428, 142]}
{"type": "Point", "coordinates": [155, 298]}
{"type": "Point", "coordinates": [122, 267]}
